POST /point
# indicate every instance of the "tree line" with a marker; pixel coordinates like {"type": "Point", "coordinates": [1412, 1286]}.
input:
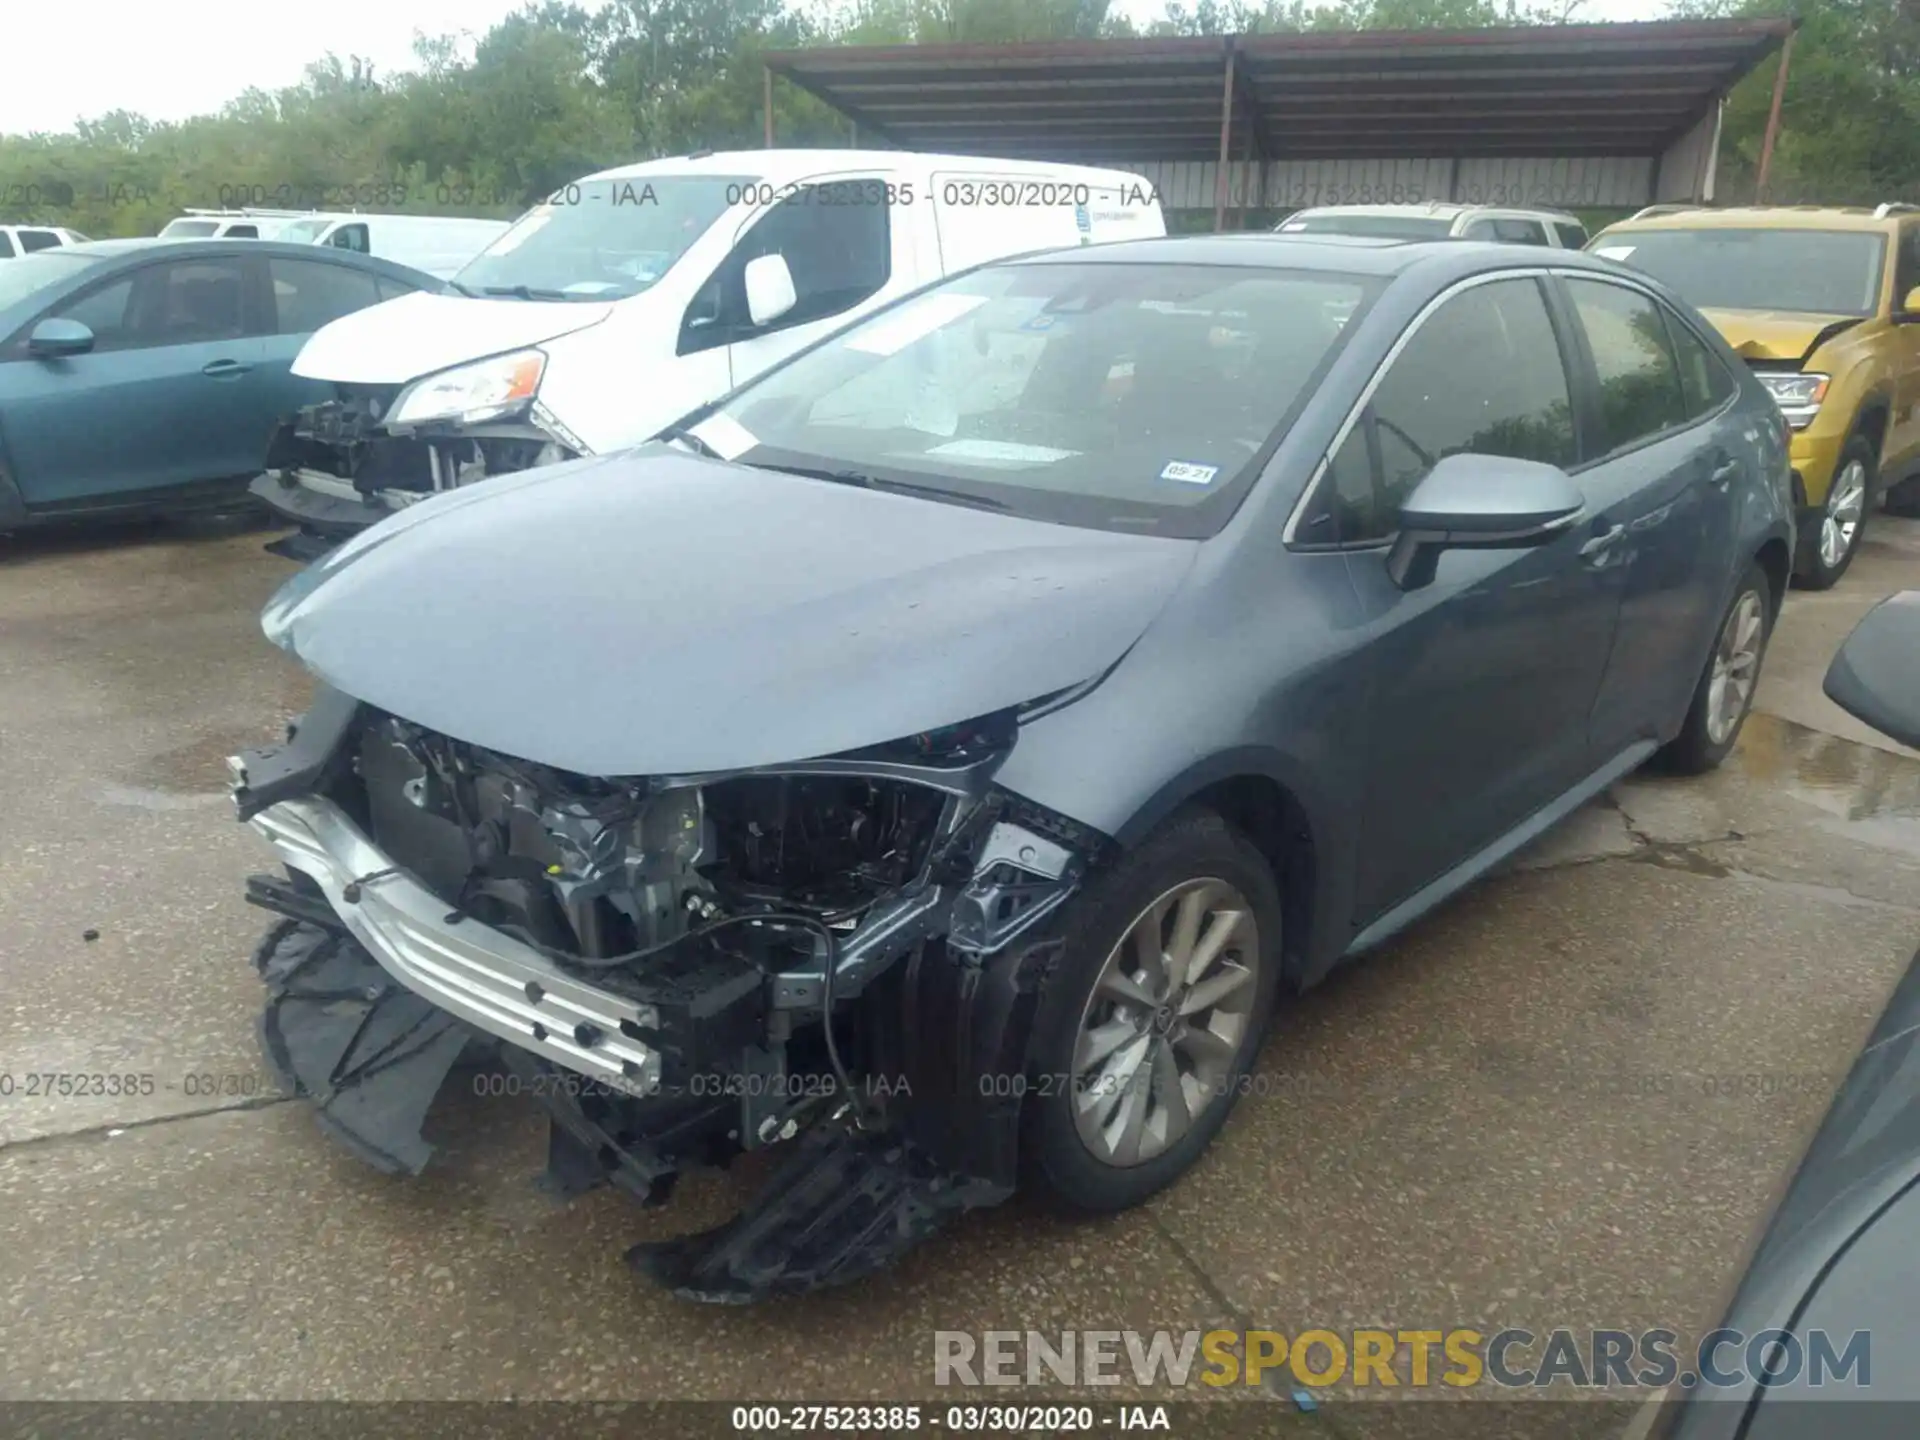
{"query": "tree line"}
{"type": "Point", "coordinates": [557, 90]}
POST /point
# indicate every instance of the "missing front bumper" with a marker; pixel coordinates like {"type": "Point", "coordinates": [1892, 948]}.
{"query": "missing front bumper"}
{"type": "Point", "coordinates": [487, 979]}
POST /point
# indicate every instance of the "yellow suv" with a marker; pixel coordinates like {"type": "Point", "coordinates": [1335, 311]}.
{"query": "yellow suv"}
{"type": "Point", "coordinates": [1824, 305]}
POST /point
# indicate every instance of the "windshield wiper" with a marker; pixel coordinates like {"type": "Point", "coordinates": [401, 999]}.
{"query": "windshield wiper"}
{"type": "Point", "coordinates": [685, 434]}
{"type": "Point", "coordinates": [457, 287]}
{"type": "Point", "coordinates": [524, 292]}
{"type": "Point", "coordinates": [864, 481]}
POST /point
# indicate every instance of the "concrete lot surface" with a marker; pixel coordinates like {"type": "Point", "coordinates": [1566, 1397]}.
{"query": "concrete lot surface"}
{"type": "Point", "coordinates": [1564, 1100]}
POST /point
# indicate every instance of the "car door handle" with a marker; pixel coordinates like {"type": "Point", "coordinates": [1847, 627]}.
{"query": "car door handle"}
{"type": "Point", "coordinates": [224, 369]}
{"type": "Point", "coordinates": [1723, 474]}
{"type": "Point", "coordinates": [1595, 550]}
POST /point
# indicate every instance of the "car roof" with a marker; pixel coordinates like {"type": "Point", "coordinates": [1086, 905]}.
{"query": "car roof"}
{"type": "Point", "coordinates": [147, 245]}
{"type": "Point", "coordinates": [1764, 217]}
{"type": "Point", "coordinates": [1338, 254]}
{"type": "Point", "coordinates": [1432, 210]}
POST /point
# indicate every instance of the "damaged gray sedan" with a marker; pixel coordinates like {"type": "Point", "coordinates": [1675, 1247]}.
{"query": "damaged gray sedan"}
{"type": "Point", "coordinates": [937, 758]}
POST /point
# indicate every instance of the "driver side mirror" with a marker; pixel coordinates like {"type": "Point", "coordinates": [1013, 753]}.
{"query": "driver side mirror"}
{"type": "Point", "coordinates": [1480, 502]}
{"type": "Point", "coordinates": [770, 292]}
{"type": "Point", "coordinates": [54, 337]}
{"type": "Point", "coordinates": [1876, 676]}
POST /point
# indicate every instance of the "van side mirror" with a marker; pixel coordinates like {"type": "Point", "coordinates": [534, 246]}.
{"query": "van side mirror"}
{"type": "Point", "coordinates": [1910, 306]}
{"type": "Point", "coordinates": [54, 337]}
{"type": "Point", "coordinates": [770, 292]}
{"type": "Point", "coordinates": [1874, 677]}
{"type": "Point", "coordinates": [1480, 502]}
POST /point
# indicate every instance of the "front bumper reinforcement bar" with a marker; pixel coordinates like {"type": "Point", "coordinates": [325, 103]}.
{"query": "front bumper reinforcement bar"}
{"type": "Point", "coordinates": [488, 979]}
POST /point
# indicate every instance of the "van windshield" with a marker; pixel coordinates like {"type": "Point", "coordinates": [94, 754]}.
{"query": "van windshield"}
{"type": "Point", "coordinates": [601, 239]}
{"type": "Point", "coordinates": [190, 228]}
{"type": "Point", "coordinates": [304, 231]}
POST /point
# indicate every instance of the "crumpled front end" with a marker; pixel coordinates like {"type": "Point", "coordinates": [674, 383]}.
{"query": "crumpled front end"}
{"type": "Point", "coordinates": [840, 952]}
{"type": "Point", "coordinates": [336, 467]}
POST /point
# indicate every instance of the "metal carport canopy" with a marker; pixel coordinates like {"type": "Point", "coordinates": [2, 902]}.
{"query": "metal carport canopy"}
{"type": "Point", "coordinates": [1555, 90]}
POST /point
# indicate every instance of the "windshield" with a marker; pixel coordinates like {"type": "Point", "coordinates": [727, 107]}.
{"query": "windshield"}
{"type": "Point", "coordinates": [20, 278]}
{"type": "Point", "coordinates": [304, 231]}
{"type": "Point", "coordinates": [601, 239]}
{"type": "Point", "coordinates": [190, 228]}
{"type": "Point", "coordinates": [1818, 272]}
{"type": "Point", "coordinates": [1118, 396]}
{"type": "Point", "coordinates": [1385, 227]}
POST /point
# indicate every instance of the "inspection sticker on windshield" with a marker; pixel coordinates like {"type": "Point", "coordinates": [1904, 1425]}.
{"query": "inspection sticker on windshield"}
{"type": "Point", "coordinates": [1613, 252]}
{"type": "Point", "coordinates": [1188, 474]}
{"type": "Point", "coordinates": [911, 321]}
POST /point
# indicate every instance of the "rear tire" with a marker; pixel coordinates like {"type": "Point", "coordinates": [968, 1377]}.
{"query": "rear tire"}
{"type": "Point", "coordinates": [1136, 1063]}
{"type": "Point", "coordinates": [1723, 698]}
{"type": "Point", "coordinates": [1830, 536]}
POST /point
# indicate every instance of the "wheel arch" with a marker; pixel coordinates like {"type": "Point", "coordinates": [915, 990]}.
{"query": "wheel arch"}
{"type": "Point", "coordinates": [1776, 561]}
{"type": "Point", "coordinates": [1872, 419]}
{"type": "Point", "coordinates": [1266, 798]}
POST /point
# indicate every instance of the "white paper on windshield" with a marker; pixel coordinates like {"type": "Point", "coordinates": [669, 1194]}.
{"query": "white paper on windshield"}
{"type": "Point", "coordinates": [726, 436]}
{"type": "Point", "coordinates": [1000, 452]}
{"type": "Point", "coordinates": [911, 321]}
{"type": "Point", "coordinates": [933, 411]}
{"type": "Point", "coordinates": [1613, 252]}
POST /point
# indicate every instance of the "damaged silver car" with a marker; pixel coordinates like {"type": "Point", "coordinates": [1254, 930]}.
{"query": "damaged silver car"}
{"type": "Point", "coordinates": [938, 757]}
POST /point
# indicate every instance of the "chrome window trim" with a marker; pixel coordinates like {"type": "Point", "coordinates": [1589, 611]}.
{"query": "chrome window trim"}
{"type": "Point", "coordinates": [1288, 535]}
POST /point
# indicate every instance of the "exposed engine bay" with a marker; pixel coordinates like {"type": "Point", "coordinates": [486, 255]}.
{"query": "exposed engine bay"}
{"type": "Point", "coordinates": [679, 968]}
{"type": "Point", "coordinates": [334, 468]}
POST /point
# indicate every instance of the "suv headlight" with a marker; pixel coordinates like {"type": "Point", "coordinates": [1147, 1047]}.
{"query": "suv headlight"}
{"type": "Point", "coordinates": [482, 391]}
{"type": "Point", "coordinates": [1797, 395]}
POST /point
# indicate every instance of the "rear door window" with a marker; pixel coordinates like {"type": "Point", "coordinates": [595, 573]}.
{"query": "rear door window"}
{"type": "Point", "coordinates": [6, 246]}
{"type": "Point", "coordinates": [309, 293]}
{"type": "Point", "coordinates": [1573, 236]}
{"type": "Point", "coordinates": [243, 232]}
{"type": "Point", "coordinates": [1640, 388]}
{"type": "Point", "coordinates": [1705, 382]}
{"type": "Point", "coordinates": [1515, 231]}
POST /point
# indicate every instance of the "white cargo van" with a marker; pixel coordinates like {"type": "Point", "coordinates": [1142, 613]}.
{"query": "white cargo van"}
{"type": "Point", "coordinates": [441, 245]}
{"type": "Point", "coordinates": [437, 244]}
{"type": "Point", "coordinates": [634, 295]}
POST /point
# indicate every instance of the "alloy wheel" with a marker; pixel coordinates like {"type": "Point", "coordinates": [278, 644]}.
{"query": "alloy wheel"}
{"type": "Point", "coordinates": [1168, 1013]}
{"type": "Point", "coordinates": [1736, 667]}
{"type": "Point", "coordinates": [1840, 522]}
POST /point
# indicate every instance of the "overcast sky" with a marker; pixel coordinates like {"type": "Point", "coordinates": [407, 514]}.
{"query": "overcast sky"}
{"type": "Point", "coordinates": [189, 57]}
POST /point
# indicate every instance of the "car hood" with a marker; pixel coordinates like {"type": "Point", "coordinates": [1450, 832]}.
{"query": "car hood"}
{"type": "Point", "coordinates": [422, 333]}
{"type": "Point", "coordinates": [654, 612]}
{"type": "Point", "coordinates": [1773, 334]}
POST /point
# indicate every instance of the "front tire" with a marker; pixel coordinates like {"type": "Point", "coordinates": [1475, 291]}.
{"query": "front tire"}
{"type": "Point", "coordinates": [1151, 1018]}
{"type": "Point", "coordinates": [1724, 695]}
{"type": "Point", "coordinates": [1830, 536]}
